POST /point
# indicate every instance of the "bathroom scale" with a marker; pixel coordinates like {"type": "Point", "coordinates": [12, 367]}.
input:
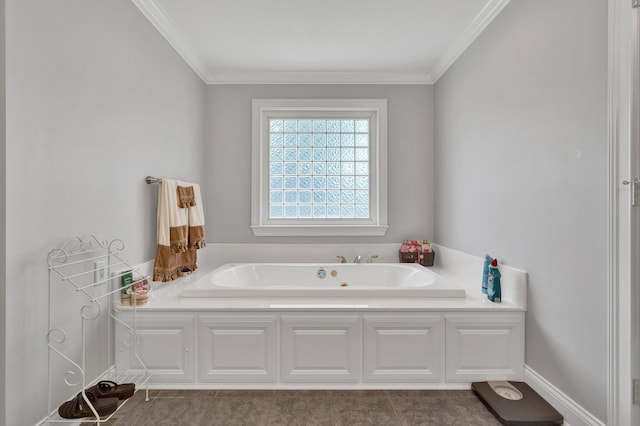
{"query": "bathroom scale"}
{"type": "Point", "coordinates": [516, 404]}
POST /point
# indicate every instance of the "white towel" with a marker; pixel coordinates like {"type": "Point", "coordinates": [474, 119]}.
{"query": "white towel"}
{"type": "Point", "coordinates": [195, 216]}
{"type": "Point", "coordinates": [180, 226]}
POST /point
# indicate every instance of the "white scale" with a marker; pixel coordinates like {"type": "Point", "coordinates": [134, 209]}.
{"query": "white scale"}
{"type": "Point", "coordinates": [506, 390]}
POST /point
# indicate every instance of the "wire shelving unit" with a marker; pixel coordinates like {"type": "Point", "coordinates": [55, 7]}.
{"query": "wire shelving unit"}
{"type": "Point", "coordinates": [86, 266]}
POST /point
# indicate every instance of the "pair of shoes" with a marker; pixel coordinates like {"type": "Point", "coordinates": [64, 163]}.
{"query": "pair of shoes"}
{"type": "Point", "coordinates": [104, 396]}
{"type": "Point", "coordinates": [109, 389]}
{"type": "Point", "coordinates": [78, 407]}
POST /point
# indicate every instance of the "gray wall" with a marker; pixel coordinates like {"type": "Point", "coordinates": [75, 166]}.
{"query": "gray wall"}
{"type": "Point", "coordinates": [227, 158]}
{"type": "Point", "coordinates": [96, 100]}
{"type": "Point", "coordinates": [3, 196]}
{"type": "Point", "coordinates": [521, 136]}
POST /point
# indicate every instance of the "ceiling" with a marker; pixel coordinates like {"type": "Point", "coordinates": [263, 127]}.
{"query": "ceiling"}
{"type": "Point", "coordinates": [328, 41]}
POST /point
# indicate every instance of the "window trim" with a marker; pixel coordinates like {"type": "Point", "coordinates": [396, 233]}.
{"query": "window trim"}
{"type": "Point", "coordinates": [261, 225]}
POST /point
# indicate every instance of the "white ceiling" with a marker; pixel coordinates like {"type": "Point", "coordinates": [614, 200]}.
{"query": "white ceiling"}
{"type": "Point", "coordinates": [328, 41]}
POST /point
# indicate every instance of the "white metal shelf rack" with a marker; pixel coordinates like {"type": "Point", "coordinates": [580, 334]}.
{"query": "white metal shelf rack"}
{"type": "Point", "coordinates": [87, 266]}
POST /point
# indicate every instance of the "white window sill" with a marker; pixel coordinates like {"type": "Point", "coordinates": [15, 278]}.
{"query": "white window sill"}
{"type": "Point", "coordinates": [319, 231]}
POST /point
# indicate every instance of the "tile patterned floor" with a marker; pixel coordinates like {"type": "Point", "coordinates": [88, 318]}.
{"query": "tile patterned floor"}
{"type": "Point", "coordinates": [303, 407]}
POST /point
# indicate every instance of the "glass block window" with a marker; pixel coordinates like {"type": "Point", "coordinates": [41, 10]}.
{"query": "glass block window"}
{"type": "Point", "coordinates": [319, 167]}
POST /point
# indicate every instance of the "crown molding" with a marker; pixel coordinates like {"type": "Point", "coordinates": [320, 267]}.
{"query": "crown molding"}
{"type": "Point", "coordinates": [320, 78]}
{"type": "Point", "coordinates": [176, 39]}
{"type": "Point", "coordinates": [490, 10]}
{"type": "Point", "coordinates": [154, 13]}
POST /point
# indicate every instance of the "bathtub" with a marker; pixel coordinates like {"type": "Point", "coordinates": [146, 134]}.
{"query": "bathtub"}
{"type": "Point", "coordinates": [369, 280]}
{"type": "Point", "coordinates": [279, 326]}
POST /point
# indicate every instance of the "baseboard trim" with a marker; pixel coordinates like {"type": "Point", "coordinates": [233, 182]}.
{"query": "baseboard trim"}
{"type": "Point", "coordinates": [573, 413]}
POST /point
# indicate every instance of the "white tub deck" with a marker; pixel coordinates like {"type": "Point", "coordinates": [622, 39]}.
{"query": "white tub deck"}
{"type": "Point", "coordinates": [455, 271]}
{"type": "Point", "coordinates": [170, 297]}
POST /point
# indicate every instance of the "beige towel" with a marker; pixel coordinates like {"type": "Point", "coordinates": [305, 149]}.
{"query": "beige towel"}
{"type": "Point", "coordinates": [186, 197]}
{"type": "Point", "coordinates": [196, 218]}
{"type": "Point", "coordinates": [180, 229]}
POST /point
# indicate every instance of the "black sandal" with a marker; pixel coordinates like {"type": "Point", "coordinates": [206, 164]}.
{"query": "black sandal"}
{"type": "Point", "coordinates": [78, 407]}
{"type": "Point", "coordinates": [109, 389]}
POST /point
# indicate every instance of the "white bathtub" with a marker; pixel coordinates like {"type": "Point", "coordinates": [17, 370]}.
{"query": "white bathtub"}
{"type": "Point", "coordinates": [223, 337]}
{"type": "Point", "coordinates": [373, 280]}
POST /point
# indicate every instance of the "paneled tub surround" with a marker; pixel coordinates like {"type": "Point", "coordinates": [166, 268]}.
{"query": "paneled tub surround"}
{"type": "Point", "coordinates": [314, 342]}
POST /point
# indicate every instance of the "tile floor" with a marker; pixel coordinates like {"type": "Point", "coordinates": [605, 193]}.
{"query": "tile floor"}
{"type": "Point", "coordinates": [303, 407]}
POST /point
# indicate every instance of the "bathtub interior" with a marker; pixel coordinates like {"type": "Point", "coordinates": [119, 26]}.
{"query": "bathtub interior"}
{"type": "Point", "coordinates": [315, 280]}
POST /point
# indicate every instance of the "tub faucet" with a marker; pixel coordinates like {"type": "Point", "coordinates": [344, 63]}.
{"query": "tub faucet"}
{"type": "Point", "coordinates": [358, 259]}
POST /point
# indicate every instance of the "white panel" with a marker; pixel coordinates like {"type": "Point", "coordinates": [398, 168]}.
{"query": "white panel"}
{"type": "Point", "coordinates": [408, 348]}
{"type": "Point", "coordinates": [484, 347]}
{"type": "Point", "coordinates": [403, 348]}
{"type": "Point", "coordinates": [320, 349]}
{"type": "Point", "coordinates": [237, 348]}
{"type": "Point", "coordinates": [165, 343]}
{"type": "Point", "coordinates": [328, 348]}
{"type": "Point", "coordinates": [161, 350]}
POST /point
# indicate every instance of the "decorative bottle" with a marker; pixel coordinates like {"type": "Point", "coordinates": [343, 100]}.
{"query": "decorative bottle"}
{"type": "Point", "coordinates": [494, 292]}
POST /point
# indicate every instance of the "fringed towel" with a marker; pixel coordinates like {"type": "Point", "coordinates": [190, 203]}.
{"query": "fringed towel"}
{"type": "Point", "coordinates": [186, 197]}
{"type": "Point", "coordinates": [196, 218]}
{"type": "Point", "coordinates": [180, 228]}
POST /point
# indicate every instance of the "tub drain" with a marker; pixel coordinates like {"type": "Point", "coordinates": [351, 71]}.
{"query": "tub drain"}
{"type": "Point", "coordinates": [344, 285]}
